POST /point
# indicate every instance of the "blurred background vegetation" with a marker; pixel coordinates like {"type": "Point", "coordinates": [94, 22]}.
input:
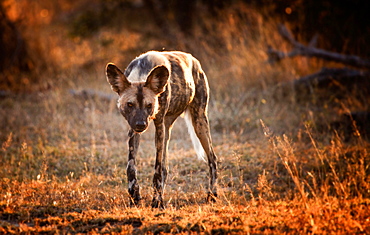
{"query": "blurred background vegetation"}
{"type": "Point", "coordinates": [52, 36]}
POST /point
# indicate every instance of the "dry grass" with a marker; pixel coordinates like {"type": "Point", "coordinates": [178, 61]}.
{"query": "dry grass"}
{"type": "Point", "coordinates": [283, 169]}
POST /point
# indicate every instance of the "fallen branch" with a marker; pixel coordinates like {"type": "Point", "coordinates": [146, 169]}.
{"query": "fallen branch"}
{"type": "Point", "coordinates": [326, 75]}
{"type": "Point", "coordinates": [312, 51]}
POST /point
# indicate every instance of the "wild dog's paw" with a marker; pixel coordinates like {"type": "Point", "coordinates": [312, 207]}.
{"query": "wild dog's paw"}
{"type": "Point", "coordinates": [134, 191]}
{"type": "Point", "coordinates": [135, 201]}
{"type": "Point", "coordinates": [156, 203]}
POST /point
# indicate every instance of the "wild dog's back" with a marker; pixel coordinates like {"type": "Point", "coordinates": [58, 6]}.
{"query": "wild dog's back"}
{"type": "Point", "coordinates": [179, 63]}
{"type": "Point", "coordinates": [139, 68]}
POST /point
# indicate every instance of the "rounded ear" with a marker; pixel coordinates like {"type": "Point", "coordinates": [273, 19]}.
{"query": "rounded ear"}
{"type": "Point", "coordinates": [157, 79]}
{"type": "Point", "coordinates": [116, 78]}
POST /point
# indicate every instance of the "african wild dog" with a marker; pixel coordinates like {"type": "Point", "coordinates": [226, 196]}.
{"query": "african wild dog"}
{"type": "Point", "coordinates": [160, 86]}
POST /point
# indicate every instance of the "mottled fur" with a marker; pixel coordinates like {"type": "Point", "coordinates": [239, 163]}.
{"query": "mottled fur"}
{"type": "Point", "coordinates": [160, 86]}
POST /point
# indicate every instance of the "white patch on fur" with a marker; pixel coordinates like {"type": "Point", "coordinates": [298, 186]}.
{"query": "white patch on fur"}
{"type": "Point", "coordinates": [134, 75]}
{"type": "Point", "coordinates": [194, 138]}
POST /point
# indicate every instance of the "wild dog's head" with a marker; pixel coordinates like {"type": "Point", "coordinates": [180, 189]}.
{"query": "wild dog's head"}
{"type": "Point", "coordinates": [138, 101]}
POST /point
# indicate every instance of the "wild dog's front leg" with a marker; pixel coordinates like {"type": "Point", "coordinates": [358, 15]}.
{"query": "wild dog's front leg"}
{"type": "Point", "coordinates": [160, 173]}
{"type": "Point", "coordinates": [133, 186]}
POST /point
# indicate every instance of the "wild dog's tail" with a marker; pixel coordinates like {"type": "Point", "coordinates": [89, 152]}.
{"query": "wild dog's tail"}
{"type": "Point", "coordinates": [194, 138]}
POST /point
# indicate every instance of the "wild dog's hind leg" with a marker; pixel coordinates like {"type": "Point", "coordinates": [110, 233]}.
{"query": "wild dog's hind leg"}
{"type": "Point", "coordinates": [198, 110]}
{"type": "Point", "coordinates": [201, 126]}
{"type": "Point", "coordinates": [133, 186]}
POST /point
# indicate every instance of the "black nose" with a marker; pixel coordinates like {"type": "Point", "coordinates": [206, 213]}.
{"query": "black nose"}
{"type": "Point", "coordinates": [140, 125]}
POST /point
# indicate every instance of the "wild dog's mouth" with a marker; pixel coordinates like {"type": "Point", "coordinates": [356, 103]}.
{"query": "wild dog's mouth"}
{"type": "Point", "coordinates": [140, 130]}
{"type": "Point", "coordinates": [140, 127]}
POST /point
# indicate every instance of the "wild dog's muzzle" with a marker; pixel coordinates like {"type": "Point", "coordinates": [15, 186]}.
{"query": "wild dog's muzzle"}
{"type": "Point", "coordinates": [140, 126]}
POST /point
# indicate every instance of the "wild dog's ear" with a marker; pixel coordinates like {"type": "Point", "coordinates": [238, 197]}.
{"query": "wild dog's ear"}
{"type": "Point", "coordinates": [157, 79]}
{"type": "Point", "coordinates": [116, 78]}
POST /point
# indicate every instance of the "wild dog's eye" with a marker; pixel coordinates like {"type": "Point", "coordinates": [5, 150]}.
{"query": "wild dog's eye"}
{"type": "Point", "coordinates": [130, 105]}
{"type": "Point", "coordinates": [149, 106]}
